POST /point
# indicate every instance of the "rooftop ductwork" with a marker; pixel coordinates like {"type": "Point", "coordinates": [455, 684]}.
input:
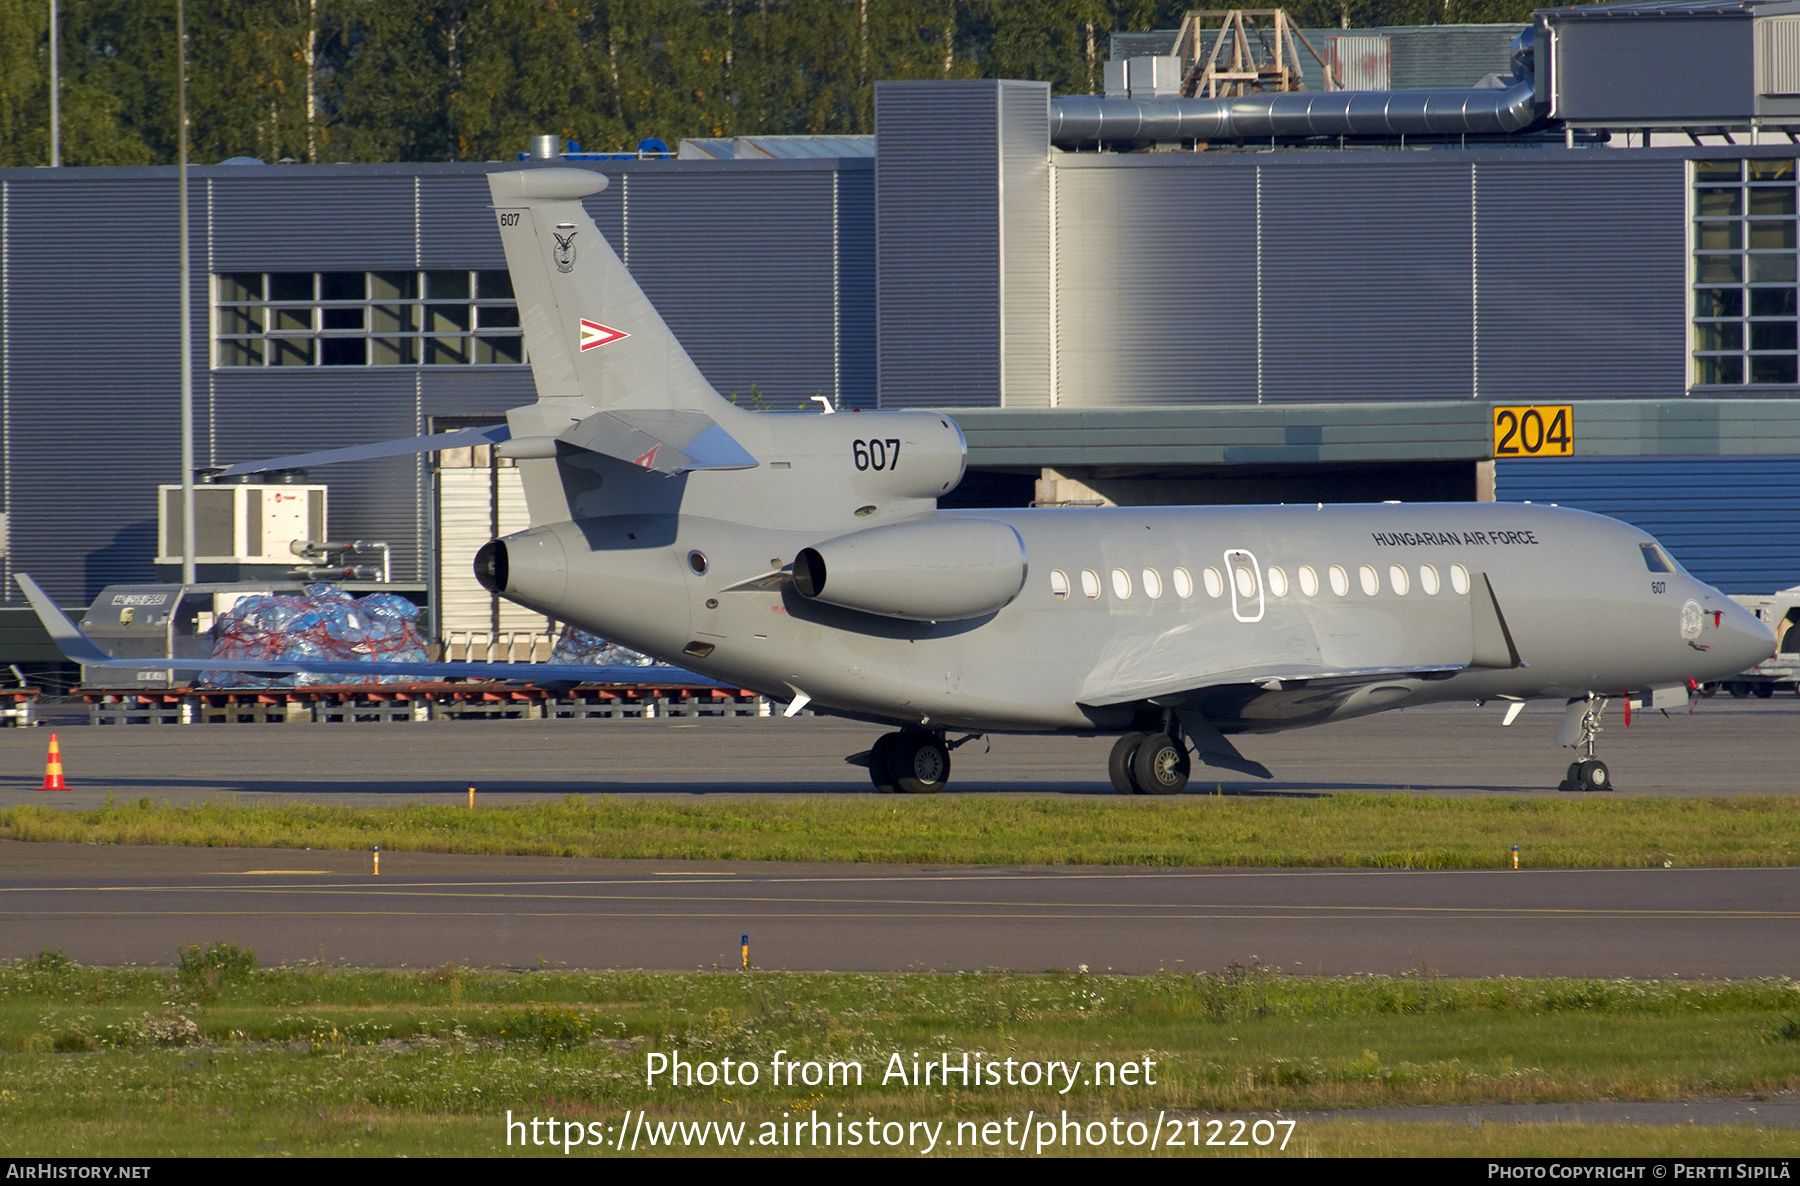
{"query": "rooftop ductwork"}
{"type": "Point", "coordinates": [1078, 120]}
{"type": "Point", "coordinates": [1085, 120]}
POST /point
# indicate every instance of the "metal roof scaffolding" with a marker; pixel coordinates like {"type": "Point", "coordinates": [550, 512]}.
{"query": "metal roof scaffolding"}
{"type": "Point", "coordinates": [1276, 68]}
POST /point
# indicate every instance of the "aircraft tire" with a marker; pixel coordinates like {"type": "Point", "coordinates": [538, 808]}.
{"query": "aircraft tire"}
{"type": "Point", "coordinates": [920, 764]}
{"type": "Point", "coordinates": [881, 763]}
{"type": "Point", "coordinates": [1764, 691]}
{"type": "Point", "coordinates": [1160, 765]}
{"type": "Point", "coordinates": [1594, 776]}
{"type": "Point", "coordinates": [1738, 690]}
{"type": "Point", "coordinates": [1119, 763]}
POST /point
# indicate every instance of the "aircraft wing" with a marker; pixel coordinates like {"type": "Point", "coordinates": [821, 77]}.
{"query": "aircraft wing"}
{"type": "Point", "coordinates": [1271, 677]}
{"type": "Point", "coordinates": [79, 648]}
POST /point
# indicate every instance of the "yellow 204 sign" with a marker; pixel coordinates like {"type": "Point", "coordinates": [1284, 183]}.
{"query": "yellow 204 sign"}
{"type": "Point", "coordinates": [1534, 430]}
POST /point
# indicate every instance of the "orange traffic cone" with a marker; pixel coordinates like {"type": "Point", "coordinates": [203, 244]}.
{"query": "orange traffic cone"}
{"type": "Point", "coordinates": [53, 774]}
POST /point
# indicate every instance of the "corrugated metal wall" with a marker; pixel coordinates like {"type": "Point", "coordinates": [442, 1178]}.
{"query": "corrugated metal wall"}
{"type": "Point", "coordinates": [1733, 522]}
{"type": "Point", "coordinates": [1309, 277]}
{"type": "Point", "coordinates": [1583, 261]}
{"type": "Point", "coordinates": [1024, 244]}
{"type": "Point", "coordinates": [1152, 269]}
{"type": "Point", "coordinates": [743, 258]}
{"type": "Point", "coordinates": [1367, 295]}
{"type": "Point", "coordinates": [937, 219]}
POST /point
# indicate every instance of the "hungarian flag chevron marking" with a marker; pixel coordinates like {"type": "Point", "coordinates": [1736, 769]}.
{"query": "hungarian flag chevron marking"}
{"type": "Point", "coordinates": [594, 334]}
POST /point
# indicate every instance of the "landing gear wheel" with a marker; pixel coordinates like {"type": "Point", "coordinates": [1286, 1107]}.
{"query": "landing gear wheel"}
{"type": "Point", "coordinates": [1160, 766]}
{"type": "Point", "coordinates": [1764, 691]}
{"type": "Point", "coordinates": [920, 764]}
{"type": "Point", "coordinates": [1119, 763]}
{"type": "Point", "coordinates": [1568, 785]}
{"type": "Point", "coordinates": [1592, 775]}
{"type": "Point", "coordinates": [1738, 691]}
{"type": "Point", "coordinates": [881, 763]}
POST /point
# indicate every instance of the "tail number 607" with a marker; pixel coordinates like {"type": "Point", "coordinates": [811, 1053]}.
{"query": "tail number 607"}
{"type": "Point", "coordinates": [876, 454]}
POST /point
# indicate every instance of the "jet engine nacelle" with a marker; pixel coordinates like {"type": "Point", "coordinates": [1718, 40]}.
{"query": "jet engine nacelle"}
{"type": "Point", "coordinates": [937, 570]}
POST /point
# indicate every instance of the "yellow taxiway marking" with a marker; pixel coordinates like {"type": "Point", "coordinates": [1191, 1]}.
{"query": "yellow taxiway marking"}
{"type": "Point", "coordinates": [271, 872]}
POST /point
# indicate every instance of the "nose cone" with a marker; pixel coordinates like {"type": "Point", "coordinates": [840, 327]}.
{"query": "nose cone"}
{"type": "Point", "coordinates": [1738, 642]}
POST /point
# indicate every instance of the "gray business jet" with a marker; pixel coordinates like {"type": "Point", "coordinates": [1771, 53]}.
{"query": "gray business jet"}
{"type": "Point", "coordinates": [806, 557]}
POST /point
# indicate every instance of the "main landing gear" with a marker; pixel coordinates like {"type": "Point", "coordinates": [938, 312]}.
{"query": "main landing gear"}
{"type": "Point", "coordinates": [910, 762]}
{"type": "Point", "coordinates": [1149, 764]}
{"type": "Point", "coordinates": [1589, 773]}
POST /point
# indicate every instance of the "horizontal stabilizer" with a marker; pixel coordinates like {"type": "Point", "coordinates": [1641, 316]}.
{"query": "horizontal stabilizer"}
{"type": "Point", "coordinates": [79, 648]}
{"type": "Point", "coordinates": [667, 441]}
{"type": "Point", "coordinates": [461, 439]}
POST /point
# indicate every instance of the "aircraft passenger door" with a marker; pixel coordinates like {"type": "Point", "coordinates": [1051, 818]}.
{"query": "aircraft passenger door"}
{"type": "Point", "coordinates": [1245, 579]}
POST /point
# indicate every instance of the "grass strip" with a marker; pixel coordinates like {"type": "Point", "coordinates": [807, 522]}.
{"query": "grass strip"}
{"type": "Point", "coordinates": [1336, 831]}
{"type": "Point", "coordinates": [218, 1058]}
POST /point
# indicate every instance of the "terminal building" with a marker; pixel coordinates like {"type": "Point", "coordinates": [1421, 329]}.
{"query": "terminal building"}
{"type": "Point", "coordinates": [1157, 295]}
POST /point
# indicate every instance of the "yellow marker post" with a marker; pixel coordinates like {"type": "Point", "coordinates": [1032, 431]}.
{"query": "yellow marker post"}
{"type": "Point", "coordinates": [746, 953]}
{"type": "Point", "coordinates": [1515, 856]}
{"type": "Point", "coordinates": [378, 860]}
{"type": "Point", "coordinates": [471, 798]}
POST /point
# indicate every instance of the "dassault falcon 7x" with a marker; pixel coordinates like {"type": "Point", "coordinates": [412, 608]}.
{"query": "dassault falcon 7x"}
{"type": "Point", "coordinates": [806, 557]}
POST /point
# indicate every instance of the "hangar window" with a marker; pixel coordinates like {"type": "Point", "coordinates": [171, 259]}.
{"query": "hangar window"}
{"type": "Point", "coordinates": [1059, 584]}
{"type": "Point", "coordinates": [1744, 279]}
{"type": "Point", "coordinates": [1184, 584]}
{"type": "Point", "coordinates": [1090, 584]}
{"type": "Point", "coordinates": [335, 319]}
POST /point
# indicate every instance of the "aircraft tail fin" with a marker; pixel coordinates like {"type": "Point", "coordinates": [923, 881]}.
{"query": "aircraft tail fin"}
{"type": "Point", "coordinates": [595, 339]}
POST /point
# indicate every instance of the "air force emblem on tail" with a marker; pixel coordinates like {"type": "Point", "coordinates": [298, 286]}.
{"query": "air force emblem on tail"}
{"type": "Point", "coordinates": [565, 251]}
{"type": "Point", "coordinates": [595, 335]}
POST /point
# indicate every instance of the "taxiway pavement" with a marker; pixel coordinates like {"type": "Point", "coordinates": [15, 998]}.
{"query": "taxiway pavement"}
{"type": "Point", "coordinates": [120, 905]}
{"type": "Point", "coordinates": [1725, 747]}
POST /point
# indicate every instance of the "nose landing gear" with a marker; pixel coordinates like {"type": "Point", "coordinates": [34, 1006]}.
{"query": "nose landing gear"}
{"type": "Point", "coordinates": [910, 762]}
{"type": "Point", "coordinates": [1589, 773]}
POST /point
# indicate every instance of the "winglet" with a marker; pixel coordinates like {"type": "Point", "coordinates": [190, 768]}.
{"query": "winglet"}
{"type": "Point", "coordinates": [69, 639]}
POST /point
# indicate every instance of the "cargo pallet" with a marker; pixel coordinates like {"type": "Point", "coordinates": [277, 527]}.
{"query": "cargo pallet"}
{"type": "Point", "coordinates": [397, 703]}
{"type": "Point", "coordinates": [17, 706]}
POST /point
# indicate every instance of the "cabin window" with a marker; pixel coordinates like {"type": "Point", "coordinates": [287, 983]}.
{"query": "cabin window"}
{"type": "Point", "coordinates": [1184, 584]}
{"type": "Point", "coordinates": [1398, 579]}
{"type": "Point", "coordinates": [1121, 584]}
{"type": "Point", "coordinates": [1246, 583]}
{"type": "Point", "coordinates": [1059, 584]}
{"type": "Point", "coordinates": [1152, 583]}
{"type": "Point", "coordinates": [1278, 584]}
{"type": "Point", "coordinates": [1459, 579]}
{"type": "Point", "coordinates": [1340, 580]}
{"type": "Point", "coordinates": [1428, 580]}
{"type": "Point", "coordinates": [1371, 580]}
{"type": "Point", "coordinates": [1309, 581]}
{"type": "Point", "coordinates": [1090, 584]}
{"type": "Point", "coordinates": [1215, 584]}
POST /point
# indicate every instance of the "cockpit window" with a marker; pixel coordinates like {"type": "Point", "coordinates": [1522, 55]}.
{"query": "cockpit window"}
{"type": "Point", "coordinates": [1655, 559]}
